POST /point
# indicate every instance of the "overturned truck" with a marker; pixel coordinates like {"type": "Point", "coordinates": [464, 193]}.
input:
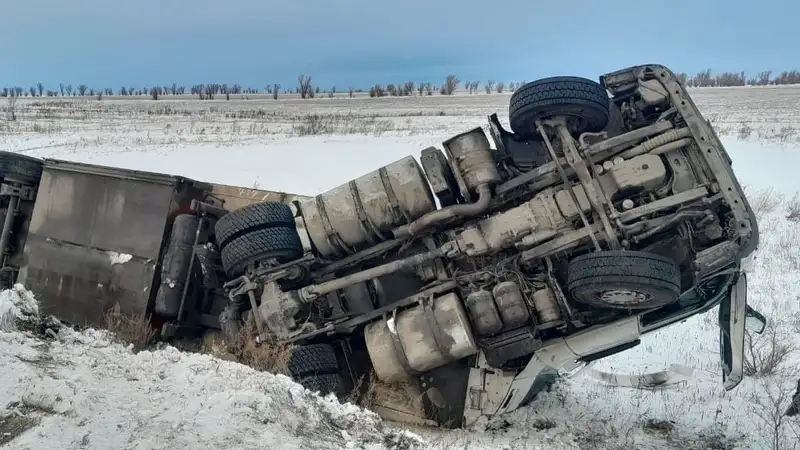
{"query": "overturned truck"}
{"type": "Point", "coordinates": [472, 277]}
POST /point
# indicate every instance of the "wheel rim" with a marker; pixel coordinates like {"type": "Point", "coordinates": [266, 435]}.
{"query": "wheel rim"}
{"type": "Point", "coordinates": [623, 297]}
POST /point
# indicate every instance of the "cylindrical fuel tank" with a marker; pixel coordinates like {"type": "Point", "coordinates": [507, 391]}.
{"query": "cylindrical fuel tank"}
{"type": "Point", "coordinates": [419, 339]}
{"type": "Point", "coordinates": [361, 212]}
{"type": "Point", "coordinates": [175, 267]}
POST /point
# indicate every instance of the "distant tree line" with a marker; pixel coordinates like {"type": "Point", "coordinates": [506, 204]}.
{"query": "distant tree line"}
{"type": "Point", "coordinates": [707, 78]}
{"type": "Point", "coordinates": [306, 89]}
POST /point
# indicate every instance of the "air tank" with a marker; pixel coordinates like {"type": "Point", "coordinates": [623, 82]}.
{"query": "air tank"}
{"type": "Point", "coordinates": [361, 212]}
{"type": "Point", "coordinates": [511, 304]}
{"type": "Point", "coordinates": [482, 310]}
{"type": "Point", "coordinates": [419, 339]}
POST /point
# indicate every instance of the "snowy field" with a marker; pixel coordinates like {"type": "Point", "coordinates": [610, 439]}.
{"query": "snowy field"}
{"type": "Point", "coordinates": [81, 390]}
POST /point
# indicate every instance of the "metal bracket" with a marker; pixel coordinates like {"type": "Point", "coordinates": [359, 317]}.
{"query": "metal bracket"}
{"type": "Point", "coordinates": [23, 192]}
{"type": "Point", "coordinates": [243, 286]}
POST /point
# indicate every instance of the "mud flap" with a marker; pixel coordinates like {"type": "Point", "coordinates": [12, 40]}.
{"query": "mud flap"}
{"type": "Point", "coordinates": [735, 319]}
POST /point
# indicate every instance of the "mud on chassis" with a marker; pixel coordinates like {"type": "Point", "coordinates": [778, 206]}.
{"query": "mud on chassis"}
{"type": "Point", "coordinates": [609, 211]}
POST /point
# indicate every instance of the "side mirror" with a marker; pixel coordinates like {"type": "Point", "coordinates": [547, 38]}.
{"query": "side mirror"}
{"type": "Point", "coordinates": [754, 321]}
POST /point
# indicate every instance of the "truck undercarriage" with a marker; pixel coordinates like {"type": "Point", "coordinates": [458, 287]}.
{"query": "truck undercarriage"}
{"type": "Point", "coordinates": [609, 210]}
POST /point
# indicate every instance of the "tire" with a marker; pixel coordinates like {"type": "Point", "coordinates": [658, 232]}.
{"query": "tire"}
{"type": "Point", "coordinates": [313, 359]}
{"type": "Point", "coordinates": [20, 168]}
{"type": "Point", "coordinates": [616, 124]}
{"type": "Point", "coordinates": [323, 384]}
{"type": "Point", "coordinates": [281, 243]}
{"type": "Point", "coordinates": [581, 99]}
{"type": "Point", "coordinates": [624, 280]}
{"type": "Point", "coordinates": [251, 218]}
{"type": "Point", "coordinates": [316, 368]}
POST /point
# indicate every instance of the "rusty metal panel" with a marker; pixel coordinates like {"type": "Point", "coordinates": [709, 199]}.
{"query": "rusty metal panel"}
{"type": "Point", "coordinates": [235, 197]}
{"type": "Point", "coordinates": [88, 206]}
{"type": "Point", "coordinates": [79, 284]}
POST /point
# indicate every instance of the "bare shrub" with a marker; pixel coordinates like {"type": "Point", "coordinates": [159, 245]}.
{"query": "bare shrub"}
{"type": "Point", "coordinates": [769, 404]}
{"type": "Point", "coordinates": [409, 88]}
{"type": "Point", "coordinates": [793, 208]}
{"type": "Point", "coordinates": [727, 79]}
{"type": "Point", "coordinates": [131, 329]}
{"type": "Point", "coordinates": [304, 86]}
{"type": "Point", "coordinates": [450, 85]}
{"type": "Point", "coordinates": [319, 124]}
{"type": "Point", "coordinates": [745, 131]}
{"type": "Point", "coordinates": [488, 86]}
{"type": "Point", "coordinates": [788, 77]}
{"type": "Point", "coordinates": [500, 87]}
{"type": "Point", "coordinates": [377, 91]}
{"type": "Point", "coordinates": [786, 134]}
{"type": "Point", "coordinates": [313, 124]}
{"type": "Point", "coordinates": [766, 353]}
{"type": "Point", "coordinates": [703, 79]}
{"type": "Point", "coordinates": [765, 201]}
{"type": "Point", "coordinates": [763, 77]}
{"type": "Point", "coordinates": [11, 108]}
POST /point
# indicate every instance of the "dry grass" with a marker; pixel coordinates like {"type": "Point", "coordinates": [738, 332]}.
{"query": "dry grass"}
{"type": "Point", "coordinates": [318, 124]}
{"type": "Point", "coordinates": [266, 356]}
{"type": "Point", "coordinates": [135, 330]}
{"type": "Point", "coordinates": [373, 394]}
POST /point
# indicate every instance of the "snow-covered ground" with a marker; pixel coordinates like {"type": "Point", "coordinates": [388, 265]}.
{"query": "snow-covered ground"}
{"type": "Point", "coordinates": [81, 390]}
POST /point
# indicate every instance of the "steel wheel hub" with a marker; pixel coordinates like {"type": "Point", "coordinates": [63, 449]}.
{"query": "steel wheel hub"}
{"type": "Point", "coordinates": [623, 297]}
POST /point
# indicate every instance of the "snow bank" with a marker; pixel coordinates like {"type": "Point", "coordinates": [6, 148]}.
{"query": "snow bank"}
{"type": "Point", "coordinates": [83, 390]}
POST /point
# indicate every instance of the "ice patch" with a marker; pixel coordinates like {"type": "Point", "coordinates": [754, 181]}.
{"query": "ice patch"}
{"type": "Point", "coordinates": [119, 258]}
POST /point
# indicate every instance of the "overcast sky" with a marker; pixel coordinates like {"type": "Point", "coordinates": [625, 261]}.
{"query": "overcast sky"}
{"type": "Point", "coordinates": [113, 43]}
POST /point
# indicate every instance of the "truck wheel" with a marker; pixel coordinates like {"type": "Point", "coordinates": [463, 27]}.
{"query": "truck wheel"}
{"type": "Point", "coordinates": [20, 168]}
{"type": "Point", "coordinates": [624, 280]}
{"type": "Point", "coordinates": [580, 99]}
{"type": "Point", "coordinates": [323, 384]}
{"type": "Point", "coordinates": [313, 359]}
{"type": "Point", "coordinates": [281, 243]}
{"type": "Point", "coordinates": [316, 368]}
{"type": "Point", "coordinates": [616, 124]}
{"type": "Point", "coordinates": [251, 218]}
